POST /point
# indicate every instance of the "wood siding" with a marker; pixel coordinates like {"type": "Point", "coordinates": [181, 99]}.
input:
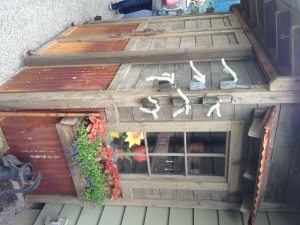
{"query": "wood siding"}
{"type": "Point", "coordinates": [35, 140]}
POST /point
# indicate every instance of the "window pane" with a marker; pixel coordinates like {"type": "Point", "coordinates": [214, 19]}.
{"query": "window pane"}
{"type": "Point", "coordinates": [168, 165]}
{"type": "Point", "coordinates": [206, 142]}
{"type": "Point", "coordinates": [163, 142]}
{"type": "Point", "coordinates": [130, 165]}
{"type": "Point", "coordinates": [213, 166]}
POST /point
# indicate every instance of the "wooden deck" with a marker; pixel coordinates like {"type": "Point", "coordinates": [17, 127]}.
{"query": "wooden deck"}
{"type": "Point", "coordinates": [129, 215]}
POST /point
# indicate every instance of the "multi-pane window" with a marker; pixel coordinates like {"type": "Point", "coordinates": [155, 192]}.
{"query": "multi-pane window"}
{"type": "Point", "coordinates": [176, 154]}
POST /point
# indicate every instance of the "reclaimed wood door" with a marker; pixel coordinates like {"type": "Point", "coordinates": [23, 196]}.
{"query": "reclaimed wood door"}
{"type": "Point", "coordinates": [158, 39]}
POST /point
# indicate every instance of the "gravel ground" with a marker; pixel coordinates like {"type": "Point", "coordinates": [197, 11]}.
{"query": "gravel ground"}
{"type": "Point", "coordinates": [28, 24]}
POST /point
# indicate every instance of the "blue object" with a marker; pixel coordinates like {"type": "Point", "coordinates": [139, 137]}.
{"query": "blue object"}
{"type": "Point", "coordinates": [223, 5]}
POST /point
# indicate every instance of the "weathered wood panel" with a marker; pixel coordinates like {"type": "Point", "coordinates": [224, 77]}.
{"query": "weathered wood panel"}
{"type": "Point", "coordinates": [61, 79]}
{"type": "Point", "coordinates": [35, 140]}
{"type": "Point", "coordinates": [284, 147]}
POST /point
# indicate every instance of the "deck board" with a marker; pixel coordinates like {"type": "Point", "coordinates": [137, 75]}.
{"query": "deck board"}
{"type": "Point", "coordinates": [112, 215]}
{"type": "Point", "coordinates": [133, 215]}
{"type": "Point", "coordinates": [49, 209]}
{"type": "Point", "coordinates": [157, 216]}
{"type": "Point", "coordinates": [89, 216]}
{"type": "Point", "coordinates": [179, 216]}
{"type": "Point", "coordinates": [72, 212]}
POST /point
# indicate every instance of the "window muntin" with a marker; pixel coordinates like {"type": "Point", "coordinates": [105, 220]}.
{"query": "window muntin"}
{"type": "Point", "coordinates": [189, 154]}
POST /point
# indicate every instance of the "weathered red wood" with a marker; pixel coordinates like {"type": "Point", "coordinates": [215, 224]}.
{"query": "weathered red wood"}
{"type": "Point", "coordinates": [61, 78]}
{"type": "Point", "coordinates": [102, 29]}
{"type": "Point", "coordinates": [87, 46]}
{"type": "Point", "coordinates": [35, 140]}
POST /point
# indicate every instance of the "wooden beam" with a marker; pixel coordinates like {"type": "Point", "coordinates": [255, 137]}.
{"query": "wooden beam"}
{"type": "Point", "coordinates": [221, 126]}
{"type": "Point", "coordinates": [133, 97]}
{"type": "Point", "coordinates": [286, 82]}
{"type": "Point", "coordinates": [265, 63]}
{"type": "Point", "coordinates": [154, 56]}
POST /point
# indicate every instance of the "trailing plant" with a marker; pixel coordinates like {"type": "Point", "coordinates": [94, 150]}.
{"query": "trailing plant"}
{"type": "Point", "coordinates": [95, 160]}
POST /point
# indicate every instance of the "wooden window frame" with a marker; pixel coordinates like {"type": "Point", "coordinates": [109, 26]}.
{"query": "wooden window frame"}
{"type": "Point", "coordinates": [234, 129]}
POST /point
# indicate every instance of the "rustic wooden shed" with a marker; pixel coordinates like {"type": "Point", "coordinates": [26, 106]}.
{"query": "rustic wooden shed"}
{"type": "Point", "coordinates": [250, 156]}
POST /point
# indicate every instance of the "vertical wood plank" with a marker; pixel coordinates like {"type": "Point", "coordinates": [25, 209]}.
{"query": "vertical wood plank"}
{"type": "Point", "coordinates": [120, 76]}
{"type": "Point", "coordinates": [204, 68]}
{"type": "Point", "coordinates": [49, 209]}
{"type": "Point", "coordinates": [129, 81]}
{"type": "Point", "coordinates": [178, 25]}
{"type": "Point", "coordinates": [165, 113]}
{"type": "Point", "coordinates": [205, 217]}
{"type": "Point", "coordinates": [172, 43]}
{"type": "Point", "coordinates": [284, 146]}
{"type": "Point", "coordinates": [138, 115]}
{"type": "Point", "coordinates": [236, 140]}
{"type": "Point", "coordinates": [253, 12]}
{"type": "Point", "coordinates": [217, 23]}
{"type": "Point", "coordinates": [112, 114]}
{"type": "Point", "coordinates": [142, 44]}
{"type": "Point", "coordinates": [165, 26]}
{"type": "Point", "coordinates": [157, 216]}
{"type": "Point", "coordinates": [111, 215]}
{"type": "Point", "coordinates": [269, 22]}
{"type": "Point", "coordinates": [203, 41]}
{"type": "Point", "coordinates": [188, 42]}
{"type": "Point", "coordinates": [255, 73]}
{"type": "Point", "coordinates": [216, 71]}
{"type": "Point", "coordinates": [89, 216]}
{"type": "Point", "coordinates": [72, 212]}
{"type": "Point", "coordinates": [125, 114]}
{"type": "Point", "coordinates": [220, 40]}
{"type": "Point", "coordinates": [241, 70]}
{"type": "Point", "coordinates": [179, 216]}
{"type": "Point", "coordinates": [158, 43]}
{"type": "Point", "coordinates": [199, 113]}
{"type": "Point", "coordinates": [183, 75]}
{"type": "Point", "coordinates": [204, 24]}
{"type": "Point", "coordinates": [293, 183]}
{"type": "Point", "coordinates": [283, 42]}
{"type": "Point", "coordinates": [260, 18]}
{"type": "Point", "coordinates": [295, 52]}
{"type": "Point", "coordinates": [147, 71]}
{"type": "Point", "coordinates": [191, 24]}
{"type": "Point", "coordinates": [227, 112]}
{"type": "Point", "coordinates": [227, 217]}
{"type": "Point", "coordinates": [134, 215]}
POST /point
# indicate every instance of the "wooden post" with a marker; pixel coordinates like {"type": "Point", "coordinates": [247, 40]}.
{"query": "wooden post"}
{"type": "Point", "coordinates": [295, 52]}
{"type": "Point", "coordinates": [260, 18]}
{"type": "Point", "coordinates": [269, 22]}
{"type": "Point", "coordinates": [283, 37]}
